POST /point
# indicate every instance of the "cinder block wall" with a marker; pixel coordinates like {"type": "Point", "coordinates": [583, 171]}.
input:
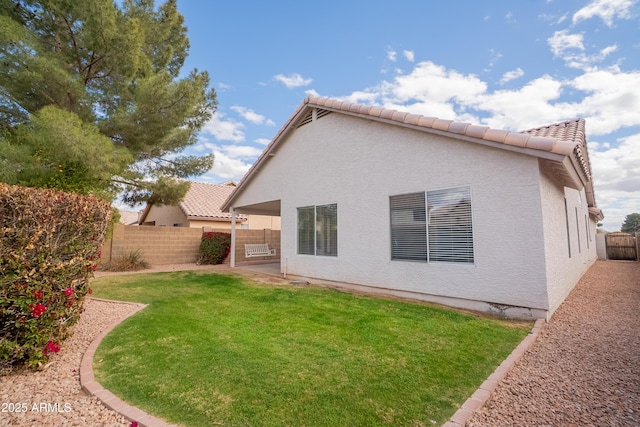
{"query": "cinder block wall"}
{"type": "Point", "coordinates": [179, 245]}
{"type": "Point", "coordinates": [272, 237]}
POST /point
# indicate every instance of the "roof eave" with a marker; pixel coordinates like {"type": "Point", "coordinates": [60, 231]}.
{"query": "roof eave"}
{"type": "Point", "coordinates": [550, 149]}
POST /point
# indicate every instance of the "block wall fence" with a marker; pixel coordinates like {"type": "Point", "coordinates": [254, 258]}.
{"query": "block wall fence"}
{"type": "Point", "coordinates": [179, 245]}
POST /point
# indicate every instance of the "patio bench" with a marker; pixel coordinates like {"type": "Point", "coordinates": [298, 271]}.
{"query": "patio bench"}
{"type": "Point", "coordinates": [258, 249]}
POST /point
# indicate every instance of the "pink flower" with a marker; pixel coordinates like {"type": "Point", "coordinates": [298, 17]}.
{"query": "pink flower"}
{"type": "Point", "coordinates": [90, 291]}
{"type": "Point", "coordinates": [37, 309]}
{"type": "Point", "coordinates": [133, 424]}
{"type": "Point", "coordinates": [68, 292]}
{"type": "Point", "coordinates": [99, 254]}
{"type": "Point", "coordinates": [51, 347]}
{"type": "Point", "coordinates": [37, 294]}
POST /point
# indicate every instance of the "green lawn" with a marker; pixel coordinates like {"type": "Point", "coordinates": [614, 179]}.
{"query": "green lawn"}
{"type": "Point", "coordinates": [219, 350]}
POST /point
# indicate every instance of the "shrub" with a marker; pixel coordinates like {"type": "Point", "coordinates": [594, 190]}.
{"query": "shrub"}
{"type": "Point", "coordinates": [49, 246]}
{"type": "Point", "coordinates": [214, 247]}
{"type": "Point", "coordinates": [130, 262]}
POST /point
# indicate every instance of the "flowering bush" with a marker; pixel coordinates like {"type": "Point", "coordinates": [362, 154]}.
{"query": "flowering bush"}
{"type": "Point", "coordinates": [49, 246]}
{"type": "Point", "coordinates": [214, 247]}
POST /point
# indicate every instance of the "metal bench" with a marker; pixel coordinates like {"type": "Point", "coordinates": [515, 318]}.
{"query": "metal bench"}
{"type": "Point", "coordinates": [257, 249]}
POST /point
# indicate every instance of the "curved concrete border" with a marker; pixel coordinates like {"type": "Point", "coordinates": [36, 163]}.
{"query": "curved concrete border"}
{"type": "Point", "coordinates": [480, 397]}
{"type": "Point", "coordinates": [459, 419]}
{"type": "Point", "coordinates": [108, 399]}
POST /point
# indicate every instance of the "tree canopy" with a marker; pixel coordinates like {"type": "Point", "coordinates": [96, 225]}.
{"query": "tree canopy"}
{"type": "Point", "coordinates": [631, 223]}
{"type": "Point", "coordinates": [92, 98]}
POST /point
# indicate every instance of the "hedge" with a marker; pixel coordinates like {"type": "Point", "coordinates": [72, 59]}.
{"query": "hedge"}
{"type": "Point", "coordinates": [49, 246]}
{"type": "Point", "coordinates": [214, 247]}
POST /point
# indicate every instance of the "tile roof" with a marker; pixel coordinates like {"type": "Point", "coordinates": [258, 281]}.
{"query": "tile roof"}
{"type": "Point", "coordinates": [537, 141]}
{"type": "Point", "coordinates": [561, 140]}
{"type": "Point", "coordinates": [203, 201]}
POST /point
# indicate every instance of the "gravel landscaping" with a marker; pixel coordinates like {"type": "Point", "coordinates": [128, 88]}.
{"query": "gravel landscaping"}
{"type": "Point", "coordinates": [582, 371]}
{"type": "Point", "coordinates": [53, 397]}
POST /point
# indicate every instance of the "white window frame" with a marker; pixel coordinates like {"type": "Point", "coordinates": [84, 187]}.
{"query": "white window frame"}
{"type": "Point", "coordinates": [322, 240]}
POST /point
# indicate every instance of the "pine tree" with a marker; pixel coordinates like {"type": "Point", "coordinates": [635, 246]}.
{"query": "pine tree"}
{"type": "Point", "coordinates": [92, 98]}
{"type": "Point", "coordinates": [631, 223]}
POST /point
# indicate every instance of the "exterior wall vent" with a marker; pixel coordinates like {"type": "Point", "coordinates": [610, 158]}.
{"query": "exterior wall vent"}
{"type": "Point", "coordinates": [314, 114]}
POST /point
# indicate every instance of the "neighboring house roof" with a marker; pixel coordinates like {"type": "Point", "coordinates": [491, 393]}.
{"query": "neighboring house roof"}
{"type": "Point", "coordinates": [129, 217]}
{"type": "Point", "coordinates": [562, 145]}
{"type": "Point", "coordinates": [203, 202]}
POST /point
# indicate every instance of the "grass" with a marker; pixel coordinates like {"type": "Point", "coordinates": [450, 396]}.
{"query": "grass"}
{"type": "Point", "coordinates": [219, 350]}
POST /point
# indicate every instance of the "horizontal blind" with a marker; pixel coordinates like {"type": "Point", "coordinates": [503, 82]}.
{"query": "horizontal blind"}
{"type": "Point", "coordinates": [450, 227]}
{"type": "Point", "coordinates": [408, 227]}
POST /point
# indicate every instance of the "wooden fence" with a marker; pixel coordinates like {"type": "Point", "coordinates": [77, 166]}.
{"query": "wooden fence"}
{"type": "Point", "coordinates": [622, 246]}
{"type": "Point", "coordinates": [179, 245]}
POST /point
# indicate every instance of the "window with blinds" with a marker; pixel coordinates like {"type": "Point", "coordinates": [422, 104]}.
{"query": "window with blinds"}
{"type": "Point", "coordinates": [306, 230]}
{"type": "Point", "coordinates": [450, 230]}
{"type": "Point", "coordinates": [318, 230]}
{"type": "Point", "coordinates": [432, 226]}
{"type": "Point", "coordinates": [408, 227]}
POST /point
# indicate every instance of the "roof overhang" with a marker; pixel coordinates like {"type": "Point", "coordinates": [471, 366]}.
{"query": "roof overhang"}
{"type": "Point", "coordinates": [565, 157]}
{"type": "Point", "coordinates": [271, 208]}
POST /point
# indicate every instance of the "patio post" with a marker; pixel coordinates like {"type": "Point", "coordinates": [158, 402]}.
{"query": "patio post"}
{"type": "Point", "coordinates": [233, 237]}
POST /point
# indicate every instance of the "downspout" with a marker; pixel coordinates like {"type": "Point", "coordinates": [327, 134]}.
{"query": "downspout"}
{"type": "Point", "coordinates": [233, 237]}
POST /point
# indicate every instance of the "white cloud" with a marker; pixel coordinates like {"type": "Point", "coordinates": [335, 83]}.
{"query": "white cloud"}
{"type": "Point", "coordinates": [429, 82]}
{"type": "Point", "coordinates": [511, 75]}
{"type": "Point", "coordinates": [494, 57]}
{"type": "Point", "coordinates": [227, 165]}
{"type": "Point", "coordinates": [224, 130]}
{"type": "Point", "coordinates": [263, 141]}
{"type": "Point", "coordinates": [294, 80]}
{"type": "Point", "coordinates": [510, 18]}
{"type": "Point", "coordinates": [241, 151]}
{"type": "Point", "coordinates": [616, 174]}
{"type": "Point", "coordinates": [564, 45]}
{"type": "Point", "coordinates": [561, 41]}
{"type": "Point", "coordinates": [392, 55]}
{"type": "Point", "coordinates": [612, 99]}
{"type": "Point", "coordinates": [251, 116]}
{"type": "Point", "coordinates": [607, 10]}
{"type": "Point", "coordinates": [311, 92]}
{"type": "Point", "coordinates": [409, 55]}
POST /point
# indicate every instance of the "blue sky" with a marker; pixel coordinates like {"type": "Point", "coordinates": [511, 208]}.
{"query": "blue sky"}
{"type": "Point", "coordinates": [504, 64]}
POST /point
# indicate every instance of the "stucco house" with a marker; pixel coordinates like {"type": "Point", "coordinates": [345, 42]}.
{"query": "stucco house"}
{"type": "Point", "coordinates": [201, 207]}
{"type": "Point", "coordinates": [402, 204]}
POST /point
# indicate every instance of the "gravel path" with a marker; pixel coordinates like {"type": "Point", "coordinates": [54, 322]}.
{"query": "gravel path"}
{"type": "Point", "coordinates": [584, 369]}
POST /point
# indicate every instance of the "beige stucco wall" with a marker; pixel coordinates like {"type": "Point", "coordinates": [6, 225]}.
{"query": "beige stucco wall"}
{"type": "Point", "coordinates": [261, 222]}
{"type": "Point", "coordinates": [166, 216]}
{"type": "Point", "coordinates": [358, 164]}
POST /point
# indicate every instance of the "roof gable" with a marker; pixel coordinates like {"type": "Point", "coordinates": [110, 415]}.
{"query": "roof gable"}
{"type": "Point", "coordinates": [563, 144]}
